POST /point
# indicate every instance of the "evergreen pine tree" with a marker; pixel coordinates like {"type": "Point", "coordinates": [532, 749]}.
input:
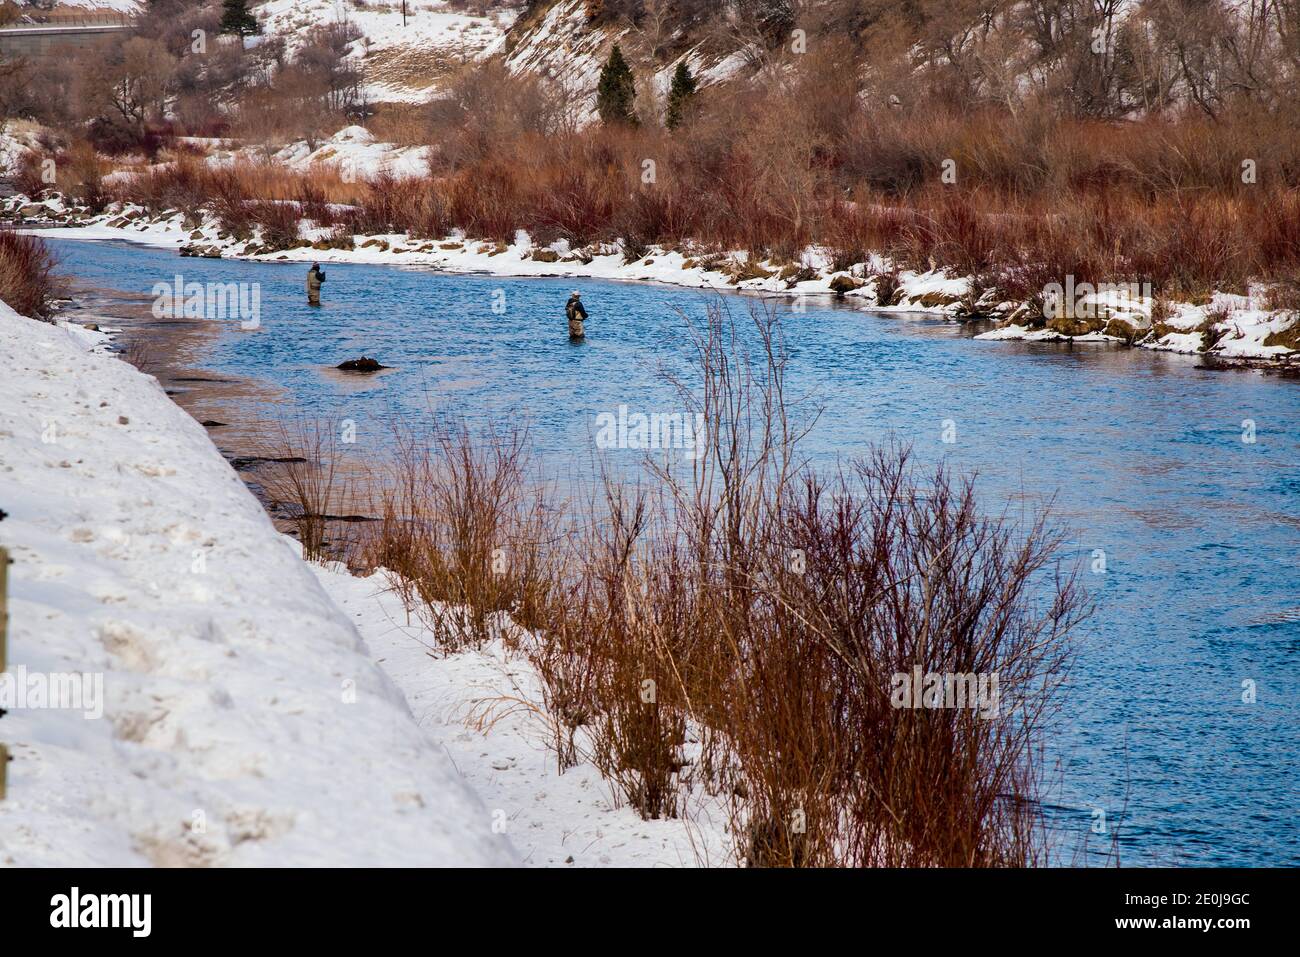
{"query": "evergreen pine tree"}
{"type": "Point", "coordinates": [236, 19]}
{"type": "Point", "coordinates": [679, 96]}
{"type": "Point", "coordinates": [616, 91]}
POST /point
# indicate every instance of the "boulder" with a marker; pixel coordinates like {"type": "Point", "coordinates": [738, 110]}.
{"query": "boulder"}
{"type": "Point", "coordinates": [1076, 326]}
{"type": "Point", "coordinates": [1288, 338]}
{"type": "Point", "coordinates": [844, 283]}
{"type": "Point", "coordinates": [795, 273]}
{"type": "Point", "coordinates": [936, 300]}
{"type": "Point", "coordinates": [1123, 329]}
{"type": "Point", "coordinates": [364, 364]}
{"type": "Point", "coordinates": [742, 271]}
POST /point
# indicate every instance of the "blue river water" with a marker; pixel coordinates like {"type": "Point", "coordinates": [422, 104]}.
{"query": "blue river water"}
{"type": "Point", "coordinates": [1145, 455]}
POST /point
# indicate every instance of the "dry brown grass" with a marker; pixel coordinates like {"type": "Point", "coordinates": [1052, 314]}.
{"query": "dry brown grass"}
{"type": "Point", "coordinates": [464, 533]}
{"type": "Point", "coordinates": [304, 484]}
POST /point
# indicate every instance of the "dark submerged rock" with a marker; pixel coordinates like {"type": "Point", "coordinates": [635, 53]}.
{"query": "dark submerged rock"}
{"type": "Point", "coordinates": [364, 364]}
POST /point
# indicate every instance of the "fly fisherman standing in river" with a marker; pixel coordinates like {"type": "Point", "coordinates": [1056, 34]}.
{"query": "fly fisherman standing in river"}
{"type": "Point", "coordinates": [314, 279]}
{"type": "Point", "coordinates": [577, 315]}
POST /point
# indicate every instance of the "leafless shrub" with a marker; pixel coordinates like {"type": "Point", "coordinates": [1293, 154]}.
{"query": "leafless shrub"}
{"type": "Point", "coordinates": [303, 483]}
{"type": "Point", "coordinates": [464, 533]}
{"type": "Point", "coordinates": [28, 284]}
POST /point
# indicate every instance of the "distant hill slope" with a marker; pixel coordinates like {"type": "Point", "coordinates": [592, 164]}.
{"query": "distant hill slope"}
{"type": "Point", "coordinates": [401, 61]}
{"type": "Point", "coordinates": [72, 7]}
{"type": "Point", "coordinates": [569, 41]}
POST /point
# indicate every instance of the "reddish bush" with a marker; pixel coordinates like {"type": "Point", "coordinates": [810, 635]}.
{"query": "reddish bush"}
{"type": "Point", "coordinates": [27, 281]}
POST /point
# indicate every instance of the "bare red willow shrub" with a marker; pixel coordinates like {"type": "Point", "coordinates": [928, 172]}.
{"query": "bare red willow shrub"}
{"type": "Point", "coordinates": [28, 284]}
{"type": "Point", "coordinates": [1155, 200]}
{"type": "Point", "coordinates": [412, 205]}
{"type": "Point", "coordinates": [278, 221]}
{"type": "Point", "coordinates": [897, 578]}
{"type": "Point", "coordinates": [184, 184]}
{"type": "Point", "coordinates": [465, 533]}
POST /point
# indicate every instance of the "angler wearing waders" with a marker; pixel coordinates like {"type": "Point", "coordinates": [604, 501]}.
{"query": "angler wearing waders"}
{"type": "Point", "coordinates": [577, 315]}
{"type": "Point", "coordinates": [314, 279]}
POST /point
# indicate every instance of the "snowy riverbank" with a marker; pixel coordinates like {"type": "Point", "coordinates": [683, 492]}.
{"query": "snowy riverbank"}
{"type": "Point", "coordinates": [485, 708]}
{"type": "Point", "coordinates": [218, 708]}
{"type": "Point", "coordinates": [1228, 327]}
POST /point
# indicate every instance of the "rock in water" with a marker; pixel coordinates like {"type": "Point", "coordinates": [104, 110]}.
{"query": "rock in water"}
{"type": "Point", "coordinates": [364, 364]}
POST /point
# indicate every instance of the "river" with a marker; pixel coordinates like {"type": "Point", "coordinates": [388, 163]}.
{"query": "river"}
{"type": "Point", "coordinates": [1187, 479]}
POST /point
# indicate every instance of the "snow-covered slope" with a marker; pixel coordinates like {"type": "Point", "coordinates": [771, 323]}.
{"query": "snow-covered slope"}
{"type": "Point", "coordinates": [71, 7]}
{"type": "Point", "coordinates": [353, 150]}
{"type": "Point", "coordinates": [559, 40]}
{"type": "Point", "coordinates": [17, 138]}
{"type": "Point", "coordinates": [401, 61]}
{"type": "Point", "coordinates": [243, 721]}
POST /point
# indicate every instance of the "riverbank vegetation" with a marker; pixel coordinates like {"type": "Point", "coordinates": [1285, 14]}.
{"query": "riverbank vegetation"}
{"type": "Point", "coordinates": [730, 628]}
{"type": "Point", "coordinates": [28, 283]}
{"type": "Point", "coordinates": [1012, 143]}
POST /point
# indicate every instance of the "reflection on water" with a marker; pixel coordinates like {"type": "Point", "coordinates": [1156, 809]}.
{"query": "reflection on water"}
{"type": "Point", "coordinates": [1142, 451]}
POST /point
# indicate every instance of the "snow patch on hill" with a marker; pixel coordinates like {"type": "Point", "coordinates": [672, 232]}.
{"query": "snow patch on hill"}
{"type": "Point", "coordinates": [97, 6]}
{"type": "Point", "coordinates": [402, 61]}
{"type": "Point", "coordinates": [353, 150]}
{"type": "Point", "coordinates": [243, 720]}
{"type": "Point", "coordinates": [563, 45]}
{"type": "Point", "coordinates": [17, 138]}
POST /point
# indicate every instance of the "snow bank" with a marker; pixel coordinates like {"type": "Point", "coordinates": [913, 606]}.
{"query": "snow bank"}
{"type": "Point", "coordinates": [485, 708]}
{"type": "Point", "coordinates": [1229, 326]}
{"type": "Point", "coordinates": [243, 722]}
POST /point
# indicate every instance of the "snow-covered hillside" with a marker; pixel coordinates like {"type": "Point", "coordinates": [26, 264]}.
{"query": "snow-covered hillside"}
{"type": "Point", "coordinates": [100, 6]}
{"type": "Point", "coordinates": [353, 150]}
{"type": "Point", "coordinates": [558, 40]}
{"type": "Point", "coordinates": [17, 138]}
{"type": "Point", "coordinates": [401, 60]}
{"type": "Point", "coordinates": [227, 713]}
